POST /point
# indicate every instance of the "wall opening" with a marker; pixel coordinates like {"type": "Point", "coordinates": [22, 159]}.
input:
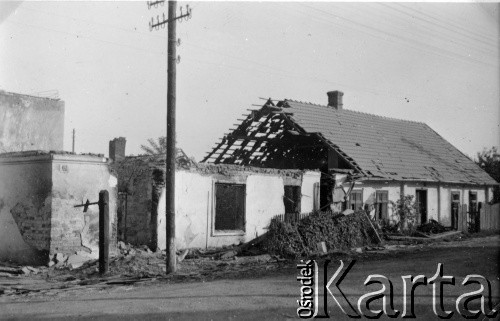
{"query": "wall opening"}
{"type": "Point", "coordinates": [421, 204]}
{"type": "Point", "coordinates": [474, 217]}
{"type": "Point", "coordinates": [292, 199]}
{"type": "Point", "coordinates": [356, 200]}
{"type": "Point", "coordinates": [381, 201]}
{"type": "Point", "coordinates": [455, 206]}
{"type": "Point", "coordinates": [229, 207]}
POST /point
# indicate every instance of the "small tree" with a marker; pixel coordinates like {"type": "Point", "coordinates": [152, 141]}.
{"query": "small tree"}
{"type": "Point", "coordinates": [406, 210]}
{"type": "Point", "coordinates": [489, 160]}
{"type": "Point", "coordinates": [156, 147]}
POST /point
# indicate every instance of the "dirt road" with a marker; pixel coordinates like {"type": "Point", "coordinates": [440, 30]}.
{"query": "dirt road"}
{"type": "Point", "coordinates": [271, 297]}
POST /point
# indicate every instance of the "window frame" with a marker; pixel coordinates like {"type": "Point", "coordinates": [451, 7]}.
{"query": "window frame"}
{"type": "Point", "coordinates": [229, 232]}
{"type": "Point", "coordinates": [379, 215]}
{"type": "Point", "coordinates": [351, 203]}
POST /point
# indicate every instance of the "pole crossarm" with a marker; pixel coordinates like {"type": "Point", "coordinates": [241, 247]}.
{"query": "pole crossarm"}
{"type": "Point", "coordinates": [161, 23]}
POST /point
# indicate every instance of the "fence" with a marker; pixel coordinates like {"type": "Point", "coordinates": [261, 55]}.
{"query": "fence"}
{"type": "Point", "coordinates": [486, 218]}
{"type": "Point", "coordinates": [490, 217]}
{"type": "Point", "coordinates": [291, 217]}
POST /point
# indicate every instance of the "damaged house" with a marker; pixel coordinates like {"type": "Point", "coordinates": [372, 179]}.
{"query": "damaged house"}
{"type": "Point", "coordinates": [40, 185]}
{"type": "Point", "coordinates": [384, 158]}
{"type": "Point", "coordinates": [216, 204]}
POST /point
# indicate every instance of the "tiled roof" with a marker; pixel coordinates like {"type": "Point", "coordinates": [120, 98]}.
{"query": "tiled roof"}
{"type": "Point", "coordinates": [387, 147]}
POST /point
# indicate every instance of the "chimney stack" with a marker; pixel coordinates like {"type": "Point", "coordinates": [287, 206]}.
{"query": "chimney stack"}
{"type": "Point", "coordinates": [335, 99]}
{"type": "Point", "coordinates": [117, 148]}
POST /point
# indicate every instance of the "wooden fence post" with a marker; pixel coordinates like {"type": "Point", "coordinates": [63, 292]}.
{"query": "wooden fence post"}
{"type": "Point", "coordinates": [103, 232]}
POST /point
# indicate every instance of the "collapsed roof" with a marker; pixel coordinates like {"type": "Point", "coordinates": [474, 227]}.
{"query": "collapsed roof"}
{"type": "Point", "coordinates": [375, 146]}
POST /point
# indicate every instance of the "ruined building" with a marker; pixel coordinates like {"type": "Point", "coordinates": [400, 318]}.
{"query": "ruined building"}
{"type": "Point", "coordinates": [30, 123]}
{"type": "Point", "coordinates": [216, 205]}
{"type": "Point", "coordinates": [40, 185]}
{"type": "Point", "coordinates": [386, 158]}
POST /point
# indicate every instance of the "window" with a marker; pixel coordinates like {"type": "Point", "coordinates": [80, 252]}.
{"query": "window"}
{"type": "Point", "coordinates": [356, 200]}
{"type": "Point", "coordinates": [292, 199]}
{"type": "Point", "coordinates": [381, 200]}
{"type": "Point", "coordinates": [472, 201]}
{"type": "Point", "coordinates": [229, 207]}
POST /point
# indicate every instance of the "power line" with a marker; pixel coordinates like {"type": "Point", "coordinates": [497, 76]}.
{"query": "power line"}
{"type": "Point", "coordinates": [440, 25]}
{"type": "Point", "coordinates": [409, 42]}
{"type": "Point", "coordinates": [454, 25]}
{"type": "Point", "coordinates": [456, 40]}
{"type": "Point", "coordinates": [87, 37]}
{"type": "Point", "coordinates": [135, 31]}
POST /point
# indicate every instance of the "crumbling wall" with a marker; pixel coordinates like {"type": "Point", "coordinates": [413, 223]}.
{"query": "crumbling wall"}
{"type": "Point", "coordinates": [135, 183]}
{"type": "Point", "coordinates": [30, 123]}
{"type": "Point", "coordinates": [74, 180]}
{"type": "Point", "coordinates": [310, 194]}
{"type": "Point", "coordinates": [195, 206]}
{"type": "Point", "coordinates": [193, 196]}
{"type": "Point", "coordinates": [25, 208]}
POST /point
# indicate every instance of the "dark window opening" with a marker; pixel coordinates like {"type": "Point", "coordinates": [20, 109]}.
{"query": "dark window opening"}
{"type": "Point", "coordinates": [229, 207]}
{"type": "Point", "coordinates": [381, 200]}
{"type": "Point", "coordinates": [455, 206]}
{"type": "Point", "coordinates": [473, 201]}
{"type": "Point", "coordinates": [356, 200]}
{"type": "Point", "coordinates": [292, 199]}
{"type": "Point", "coordinates": [421, 204]}
{"type": "Point", "coordinates": [474, 220]}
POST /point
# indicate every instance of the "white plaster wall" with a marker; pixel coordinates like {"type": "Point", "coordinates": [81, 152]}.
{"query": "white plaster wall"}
{"type": "Point", "coordinates": [432, 203]}
{"type": "Point", "coordinates": [264, 200]}
{"type": "Point", "coordinates": [30, 185]}
{"type": "Point", "coordinates": [193, 195]}
{"type": "Point", "coordinates": [307, 188]}
{"type": "Point", "coordinates": [445, 215]}
{"type": "Point", "coordinates": [481, 195]}
{"type": "Point", "coordinates": [490, 194]}
{"type": "Point", "coordinates": [369, 194]}
{"type": "Point", "coordinates": [195, 209]}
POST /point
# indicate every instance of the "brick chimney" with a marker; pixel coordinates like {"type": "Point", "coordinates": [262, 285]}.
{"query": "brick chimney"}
{"type": "Point", "coordinates": [335, 99]}
{"type": "Point", "coordinates": [117, 148]}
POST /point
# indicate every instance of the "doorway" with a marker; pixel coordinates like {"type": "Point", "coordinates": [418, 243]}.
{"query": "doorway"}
{"type": "Point", "coordinates": [455, 205]}
{"type": "Point", "coordinates": [421, 204]}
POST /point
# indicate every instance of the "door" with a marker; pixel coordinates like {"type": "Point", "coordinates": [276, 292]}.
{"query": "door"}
{"type": "Point", "coordinates": [473, 219]}
{"type": "Point", "coordinates": [455, 204]}
{"type": "Point", "coordinates": [292, 202]}
{"type": "Point", "coordinates": [421, 204]}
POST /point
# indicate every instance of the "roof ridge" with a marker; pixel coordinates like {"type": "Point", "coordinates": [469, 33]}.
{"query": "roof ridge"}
{"type": "Point", "coordinates": [359, 112]}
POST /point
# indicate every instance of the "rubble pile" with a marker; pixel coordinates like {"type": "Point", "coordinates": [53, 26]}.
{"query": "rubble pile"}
{"type": "Point", "coordinates": [337, 231]}
{"type": "Point", "coordinates": [432, 226]}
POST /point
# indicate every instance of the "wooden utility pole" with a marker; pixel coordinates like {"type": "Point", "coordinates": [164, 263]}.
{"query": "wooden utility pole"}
{"type": "Point", "coordinates": [171, 149]}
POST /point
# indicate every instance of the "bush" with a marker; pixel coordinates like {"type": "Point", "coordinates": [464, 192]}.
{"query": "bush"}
{"type": "Point", "coordinates": [300, 238]}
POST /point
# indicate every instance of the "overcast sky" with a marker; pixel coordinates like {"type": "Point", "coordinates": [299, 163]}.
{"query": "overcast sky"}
{"type": "Point", "coordinates": [431, 62]}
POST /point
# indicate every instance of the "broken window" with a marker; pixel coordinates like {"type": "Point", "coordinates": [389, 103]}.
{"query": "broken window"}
{"type": "Point", "coordinates": [356, 200]}
{"type": "Point", "coordinates": [292, 199]}
{"type": "Point", "coordinates": [381, 200]}
{"type": "Point", "coordinates": [229, 207]}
